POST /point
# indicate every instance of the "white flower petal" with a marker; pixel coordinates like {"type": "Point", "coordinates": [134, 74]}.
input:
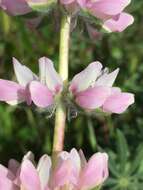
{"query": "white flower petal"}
{"type": "Point", "coordinates": [107, 79]}
{"type": "Point", "coordinates": [48, 75]}
{"type": "Point", "coordinates": [44, 169]}
{"type": "Point", "coordinates": [85, 78]}
{"type": "Point", "coordinates": [23, 74]}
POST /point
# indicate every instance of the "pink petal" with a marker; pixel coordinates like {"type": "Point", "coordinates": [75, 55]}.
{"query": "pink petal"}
{"type": "Point", "coordinates": [49, 76]}
{"type": "Point", "coordinates": [24, 74]}
{"type": "Point", "coordinates": [66, 2]}
{"type": "Point", "coordinates": [118, 23]}
{"type": "Point", "coordinates": [85, 78]}
{"type": "Point", "coordinates": [75, 158]}
{"type": "Point", "coordinates": [4, 172]}
{"type": "Point", "coordinates": [11, 91]}
{"type": "Point", "coordinates": [15, 7]}
{"type": "Point", "coordinates": [82, 3]}
{"type": "Point", "coordinates": [92, 98]}
{"type": "Point", "coordinates": [29, 176]}
{"type": "Point", "coordinates": [105, 8]}
{"type": "Point", "coordinates": [40, 94]}
{"type": "Point", "coordinates": [67, 169]}
{"type": "Point", "coordinates": [63, 174]}
{"type": "Point", "coordinates": [95, 172]}
{"type": "Point", "coordinates": [6, 184]}
{"type": "Point", "coordinates": [118, 102]}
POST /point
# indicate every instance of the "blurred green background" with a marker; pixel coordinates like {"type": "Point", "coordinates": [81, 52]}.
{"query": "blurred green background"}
{"type": "Point", "coordinates": [25, 128]}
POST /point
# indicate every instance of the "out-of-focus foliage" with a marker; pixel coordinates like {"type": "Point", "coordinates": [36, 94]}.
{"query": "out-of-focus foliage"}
{"type": "Point", "coordinates": [24, 128]}
{"type": "Point", "coordinates": [126, 169]}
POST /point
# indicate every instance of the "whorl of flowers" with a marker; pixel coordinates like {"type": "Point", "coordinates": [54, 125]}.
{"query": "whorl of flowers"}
{"type": "Point", "coordinates": [70, 171]}
{"type": "Point", "coordinates": [90, 89]}
{"type": "Point", "coordinates": [110, 12]}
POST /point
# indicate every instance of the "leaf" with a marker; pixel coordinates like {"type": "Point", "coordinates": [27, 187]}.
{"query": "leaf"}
{"type": "Point", "coordinates": [122, 149]}
{"type": "Point", "coordinates": [111, 182]}
{"type": "Point", "coordinates": [138, 161]}
{"type": "Point", "coordinates": [113, 167]}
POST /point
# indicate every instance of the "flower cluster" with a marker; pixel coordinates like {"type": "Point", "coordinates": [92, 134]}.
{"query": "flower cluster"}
{"type": "Point", "coordinates": [69, 171]}
{"type": "Point", "coordinates": [91, 88]}
{"type": "Point", "coordinates": [110, 12]}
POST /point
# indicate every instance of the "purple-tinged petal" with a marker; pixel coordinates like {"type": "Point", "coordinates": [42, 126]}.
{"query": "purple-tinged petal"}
{"type": "Point", "coordinates": [118, 23]}
{"type": "Point", "coordinates": [93, 98]}
{"type": "Point", "coordinates": [24, 74]}
{"type": "Point", "coordinates": [85, 78]}
{"type": "Point", "coordinates": [44, 170]}
{"type": "Point", "coordinates": [82, 158]}
{"type": "Point", "coordinates": [33, 23]}
{"type": "Point", "coordinates": [49, 76]}
{"type": "Point", "coordinates": [11, 91]}
{"type": "Point", "coordinates": [15, 7]}
{"type": "Point", "coordinates": [29, 176]}
{"type": "Point", "coordinates": [95, 172]}
{"type": "Point", "coordinates": [94, 34]}
{"type": "Point", "coordinates": [118, 102]}
{"type": "Point", "coordinates": [13, 166]}
{"type": "Point", "coordinates": [40, 94]}
{"type": "Point", "coordinates": [107, 79]}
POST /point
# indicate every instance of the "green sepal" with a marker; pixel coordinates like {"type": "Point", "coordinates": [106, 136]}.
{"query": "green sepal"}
{"type": "Point", "coordinates": [42, 6]}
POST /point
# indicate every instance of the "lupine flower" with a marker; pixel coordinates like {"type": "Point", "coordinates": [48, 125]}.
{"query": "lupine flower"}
{"type": "Point", "coordinates": [22, 7]}
{"type": "Point", "coordinates": [70, 171]}
{"type": "Point", "coordinates": [15, 7]}
{"type": "Point", "coordinates": [92, 88]}
{"type": "Point", "coordinates": [41, 90]}
{"type": "Point", "coordinates": [109, 11]}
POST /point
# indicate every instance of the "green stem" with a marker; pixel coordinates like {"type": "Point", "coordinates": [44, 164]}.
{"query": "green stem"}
{"type": "Point", "coordinates": [60, 117]}
{"type": "Point", "coordinates": [5, 22]}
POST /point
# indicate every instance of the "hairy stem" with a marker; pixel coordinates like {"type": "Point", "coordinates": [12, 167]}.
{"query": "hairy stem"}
{"type": "Point", "coordinates": [60, 117]}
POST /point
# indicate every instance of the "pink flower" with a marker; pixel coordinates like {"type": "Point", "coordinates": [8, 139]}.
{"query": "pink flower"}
{"type": "Point", "coordinates": [41, 90]}
{"type": "Point", "coordinates": [71, 171]}
{"type": "Point", "coordinates": [15, 7]}
{"type": "Point", "coordinates": [21, 7]}
{"type": "Point", "coordinates": [92, 88]}
{"type": "Point", "coordinates": [109, 11]}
